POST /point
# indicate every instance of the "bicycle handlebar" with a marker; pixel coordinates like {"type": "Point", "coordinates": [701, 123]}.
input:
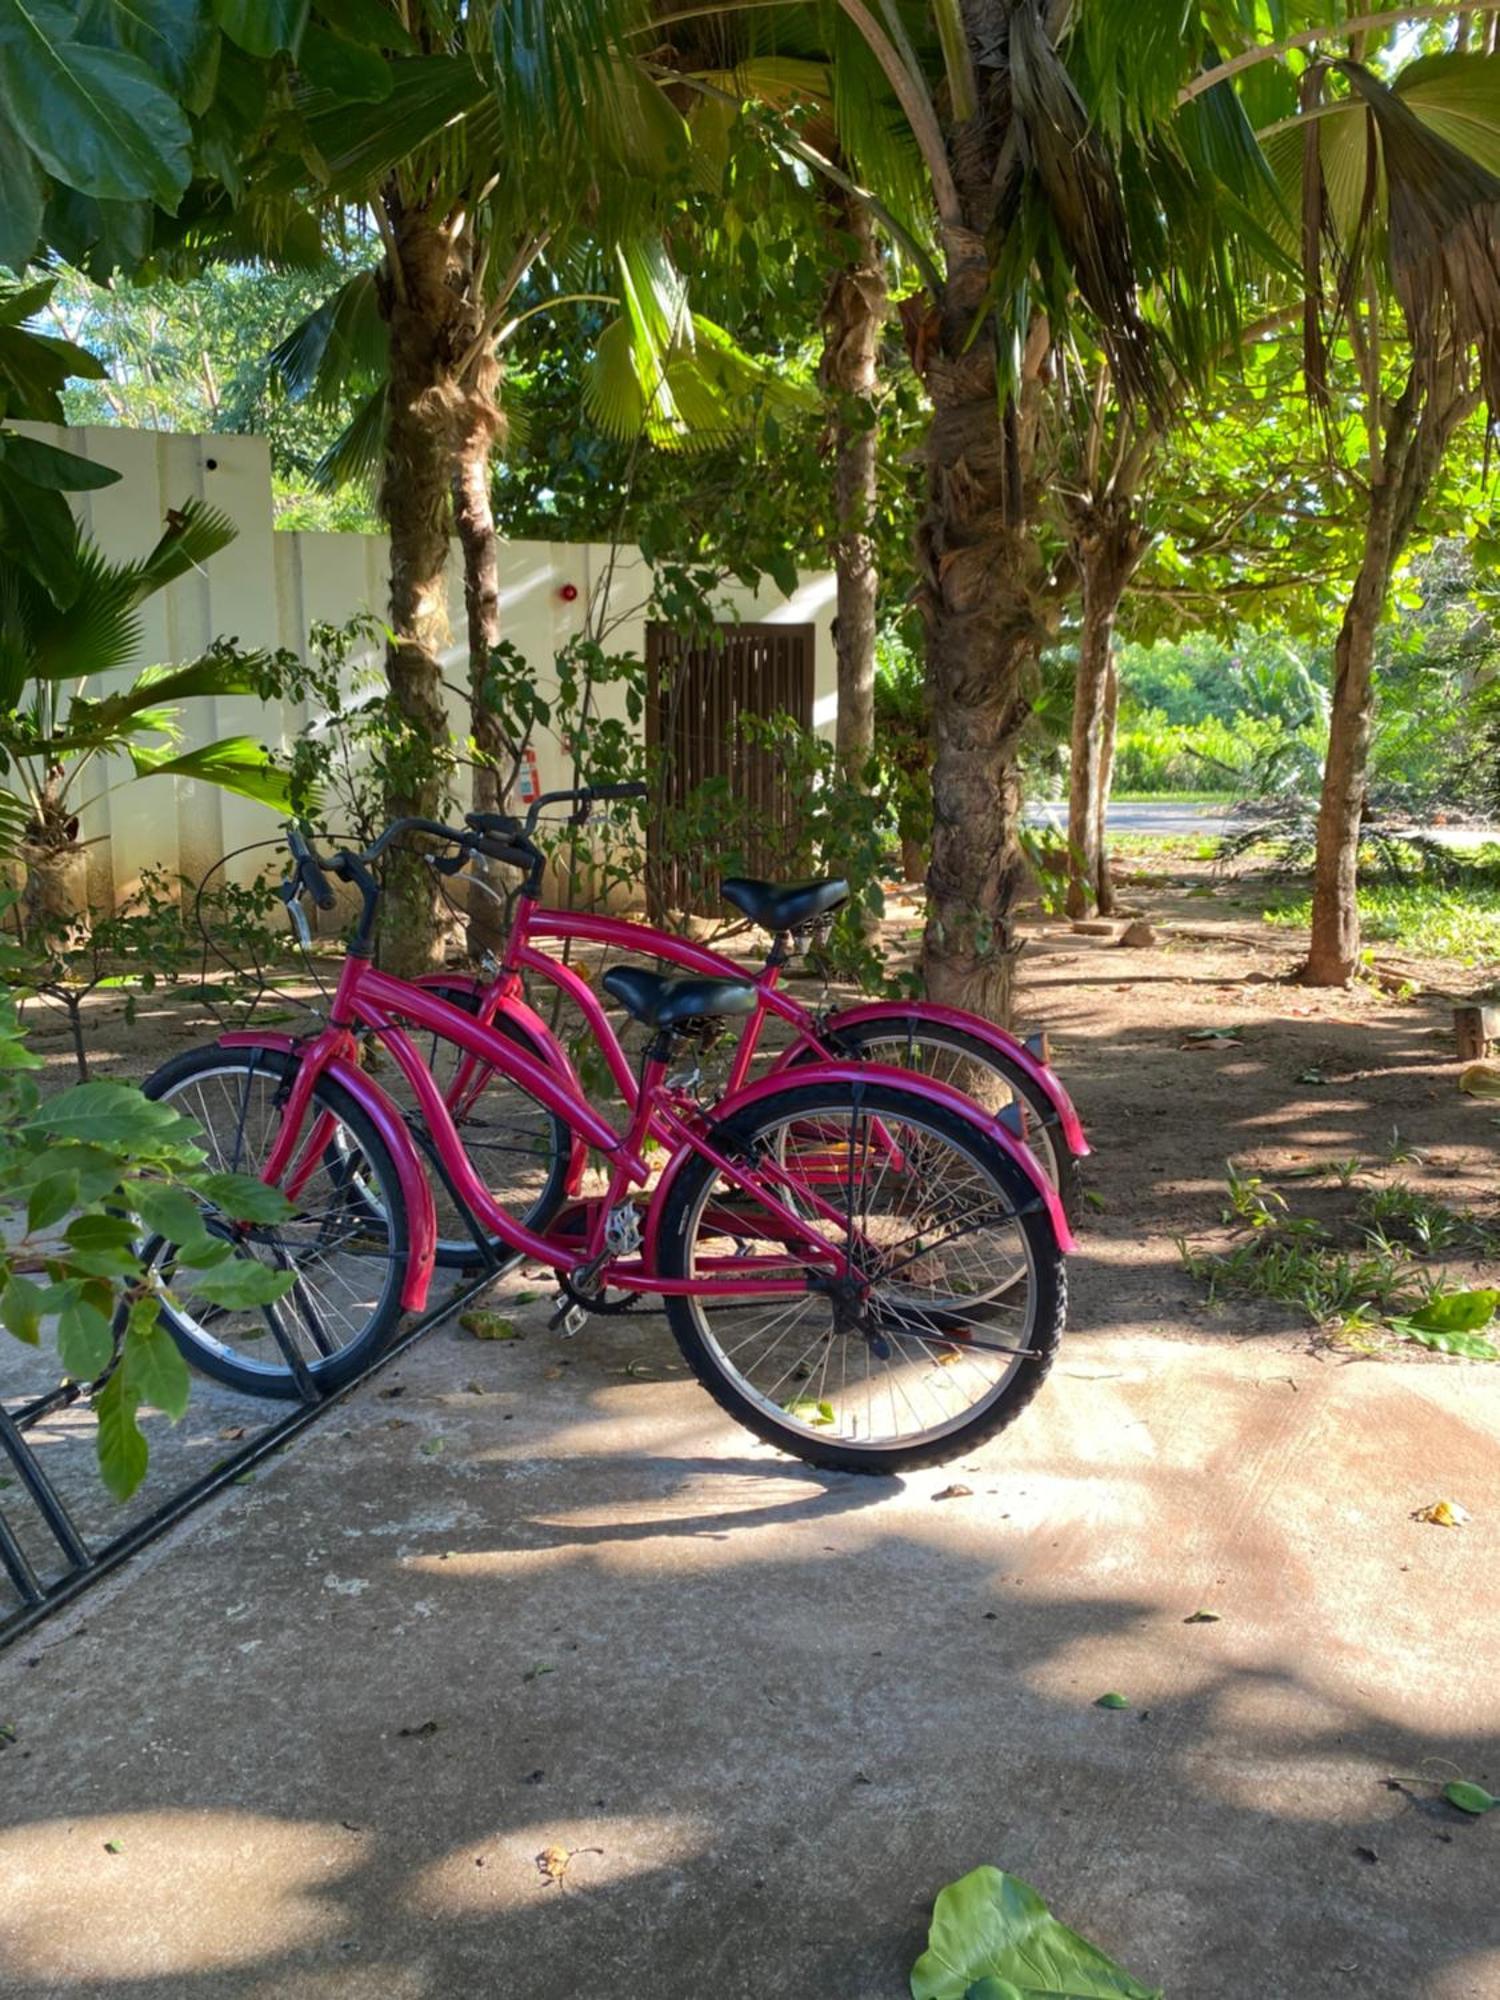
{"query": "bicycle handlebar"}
{"type": "Point", "coordinates": [499, 836]}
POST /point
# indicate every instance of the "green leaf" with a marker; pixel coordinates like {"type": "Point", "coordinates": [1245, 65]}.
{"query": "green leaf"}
{"type": "Point", "coordinates": [243, 1282]}
{"type": "Point", "coordinates": [174, 38]}
{"type": "Point", "coordinates": [1112, 1701]}
{"type": "Point", "coordinates": [168, 1212]}
{"type": "Point", "coordinates": [990, 1926]}
{"type": "Point", "coordinates": [21, 194]}
{"type": "Point", "coordinates": [342, 67]}
{"type": "Point", "coordinates": [123, 1452]}
{"type": "Point", "coordinates": [262, 27]}
{"type": "Point", "coordinates": [1469, 1798]}
{"type": "Point", "coordinates": [153, 1369]}
{"type": "Point", "coordinates": [235, 764]}
{"type": "Point", "coordinates": [85, 1340]}
{"type": "Point", "coordinates": [243, 1197]}
{"type": "Point", "coordinates": [51, 1199]}
{"type": "Point", "coordinates": [1469, 1346]}
{"type": "Point", "coordinates": [48, 466]}
{"type": "Point", "coordinates": [96, 119]}
{"type": "Point", "coordinates": [104, 1114]}
{"type": "Point", "coordinates": [22, 1305]}
{"type": "Point", "coordinates": [1456, 1312]}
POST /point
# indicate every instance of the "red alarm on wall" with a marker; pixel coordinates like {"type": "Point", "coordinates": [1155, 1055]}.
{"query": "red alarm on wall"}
{"type": "Point", "coordinates": [567, 592]}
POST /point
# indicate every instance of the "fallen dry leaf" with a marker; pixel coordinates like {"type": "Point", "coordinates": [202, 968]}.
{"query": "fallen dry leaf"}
{"type": "Point", "coordinates": [1443, 1514]}
{"type": "Point", "coordinates": [553, 1862]}
{"type": "Point", "coordinates": [955, 1492]}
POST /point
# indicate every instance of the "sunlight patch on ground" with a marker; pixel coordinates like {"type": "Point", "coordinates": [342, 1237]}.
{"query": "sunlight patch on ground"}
{"type": "Point", "coordinates": [520, 1867]}
{"type": "Point", "coordinates": [141, 1895]}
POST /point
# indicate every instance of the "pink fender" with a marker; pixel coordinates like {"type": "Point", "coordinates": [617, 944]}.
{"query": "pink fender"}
{"type": "Point", "coordinates": [1011, 1047]}
{"type": "Point", "coordinates": [421, 1215]}
{"type": "Point", "coordinates": [925, 1087]}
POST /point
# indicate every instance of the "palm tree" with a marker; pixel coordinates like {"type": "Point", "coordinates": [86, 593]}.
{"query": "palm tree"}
{"type": "Point", "coordinates": [54, 726]}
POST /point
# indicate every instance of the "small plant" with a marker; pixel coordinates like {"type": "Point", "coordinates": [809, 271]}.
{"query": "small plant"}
{"type": "Point", "coordinates": [86, 1175]}
{"type": "Point", "coordinates": [1251, 1202]}
{"type": "Point", "coordinates": [1362, 1295]}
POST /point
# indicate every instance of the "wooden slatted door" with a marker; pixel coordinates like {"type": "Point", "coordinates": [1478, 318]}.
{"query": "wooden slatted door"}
{"type": "Point", "coordinates": [698, 691]}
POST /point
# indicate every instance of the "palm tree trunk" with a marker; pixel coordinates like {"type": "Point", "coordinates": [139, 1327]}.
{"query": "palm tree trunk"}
{"type": "Point", "coordinates": [1417, 434]}
{"type": "Point", "coordinates": [420, 306]}
{"type": "Point", "coordinates": [1107, 546]}
{"type": "Point", "coordinates": [980, 571]}
{"type": "Point", "coordinates": [852, 318]}
{"type": "Point", "coordinates": [479, 424]}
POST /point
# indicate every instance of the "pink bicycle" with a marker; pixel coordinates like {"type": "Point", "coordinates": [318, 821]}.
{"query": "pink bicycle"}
{"type": "Point", "coordinates": [1006, 1076]}
{"type": "Point", "coordinates": [858, 1265]}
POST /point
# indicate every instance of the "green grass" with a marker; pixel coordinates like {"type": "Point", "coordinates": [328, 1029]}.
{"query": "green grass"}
{"type": "Point", "coordinates": [1458, 920]}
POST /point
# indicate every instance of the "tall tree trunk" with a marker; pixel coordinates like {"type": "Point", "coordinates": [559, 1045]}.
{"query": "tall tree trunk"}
{"type": "Point", "coordinates": [420, 297]}
{"type": "Point", "coordinates": [1416, 436]}
{"type": "Point", "coordinates": [852, 318]}
{"type": "Point", "coordinates": [980, 566]}
{"type": "Point", "coordinates": [478, 425]}
{"type": "Point", "coordinates": [1104, 881]}
{"type": "Point", "coordinates": [1107, 545]}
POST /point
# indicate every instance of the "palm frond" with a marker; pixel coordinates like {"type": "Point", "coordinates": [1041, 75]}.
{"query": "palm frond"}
{"type": "Point", "coordinates": [1084, 206]}
{"type": "Point", "coordinates": [234, 764]}
{"type": "Point", "coordinates": [353, 458]}
{"type": "Point", "coordinates": [1443, 233]}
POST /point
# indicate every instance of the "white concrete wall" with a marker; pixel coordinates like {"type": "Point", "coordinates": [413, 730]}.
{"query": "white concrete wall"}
{"type": "Point", "coordinates": [266, 589]}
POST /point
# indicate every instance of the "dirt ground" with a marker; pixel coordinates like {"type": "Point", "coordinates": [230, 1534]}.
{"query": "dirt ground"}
{"type": "Point", "coordinates": [534, 1596]}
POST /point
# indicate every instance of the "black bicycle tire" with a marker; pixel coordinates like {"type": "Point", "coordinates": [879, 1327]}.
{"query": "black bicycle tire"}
{"type": "Point", "coordinates": [333, 1370]}
{"type": "Point", "coordinates": [992, 1416]}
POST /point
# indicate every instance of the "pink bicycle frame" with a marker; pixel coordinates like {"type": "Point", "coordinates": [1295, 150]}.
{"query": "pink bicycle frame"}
{"type": "Point", "coordinates": [376, 1000]}
{"type": "Point", "coordinates": [532, 920]}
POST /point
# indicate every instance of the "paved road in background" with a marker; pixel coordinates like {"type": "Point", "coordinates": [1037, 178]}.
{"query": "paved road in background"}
{"type": "Point", "coordinates": [1193, 817]}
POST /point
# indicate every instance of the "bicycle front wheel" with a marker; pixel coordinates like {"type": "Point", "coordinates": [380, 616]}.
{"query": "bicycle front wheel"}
{"type": "Point", "coordinates": [345, 1242]}
{"type": "Point", "coordinates": [946, 1322]}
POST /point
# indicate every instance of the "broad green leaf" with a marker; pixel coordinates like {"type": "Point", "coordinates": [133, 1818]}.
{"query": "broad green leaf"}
{"type": "Point", "coordinates": [168, 1212]}
{"type": "Point", "coordinates": [20, 199]}
{"type": "Point", "coordinates": [342, 67]}
{"type": "Point", "coordinates": [103, 1113]}
{"type": "Point", "coordinates": [1469, 1798]}
{"type": "Point", "coordinates": [1112, 1701]}
{"type": "Point", "coordinates": [1456, 1312]}
{"type": "Point", "coordinates": [153, 1369]}
{"type": "Point", "coordinates": [989, 1925]}
{"type": "Point", "coordinates": [243, 1282]}
{"type": "Point", "coordinates": [101, 1232]}
{"type": "Point", "coordinates": [123, 1452]}
{"type": "Point", "coordinates": [262, 27]}
{"type": "Point", "coordinates": [243, 1197]}
{"type": "Point", "coordinates": [1470, 1346]}
{"type": "Point", "coordinates": [85, 1340]}
{"type": "Point", "coordinates": [50, 1200]}
{"type": "Point", "coordinates": [174, 38]}
{"type": "Point", "coordinates": [97, 119]}
{"type": "Point", "coordinates": [22, 1305]}
{"type": "Point", "coordinates": [58, 471]}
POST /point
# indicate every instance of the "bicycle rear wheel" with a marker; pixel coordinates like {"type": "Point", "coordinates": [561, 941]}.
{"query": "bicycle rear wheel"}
{"type": "Point", "coordinates": [346, 1240]}
{"type": "Point", "coordinates": [518, 1147]}
{"type": "Point", "coordinates": [949, 1322]}
{"type": "Point", "coordinates": [981, 1072]}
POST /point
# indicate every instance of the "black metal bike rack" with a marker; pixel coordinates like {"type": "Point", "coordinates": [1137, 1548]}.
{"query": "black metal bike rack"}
{"type": "Point", "coordinates": [82, 1564]}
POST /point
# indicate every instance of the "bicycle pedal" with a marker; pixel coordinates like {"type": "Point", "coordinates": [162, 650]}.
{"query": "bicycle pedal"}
{"type": "Point", "coordinates": [568, 1319]}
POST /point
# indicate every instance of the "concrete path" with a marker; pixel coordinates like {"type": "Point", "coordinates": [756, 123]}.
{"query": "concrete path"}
{"type": "Point", "coordinates": [544, 1597]}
